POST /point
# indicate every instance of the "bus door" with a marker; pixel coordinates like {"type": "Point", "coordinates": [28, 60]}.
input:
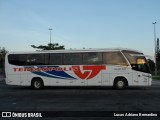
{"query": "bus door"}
{"type": "Point", "coordinates": [140, 76]}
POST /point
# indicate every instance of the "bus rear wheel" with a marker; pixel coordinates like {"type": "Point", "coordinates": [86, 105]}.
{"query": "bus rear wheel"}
{"type": "Point", "coordinates": [120, 83]}
{"type": "Point", "coordinates": [37, 83]}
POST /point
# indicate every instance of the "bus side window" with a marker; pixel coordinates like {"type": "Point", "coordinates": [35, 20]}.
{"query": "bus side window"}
{"type": "Point", "coordinates": [35, 59]}
{"type": "Point", "coordinates": [114, 58]}
{"type": "Point", "coordinates": [72, 59]}
{"type": "Point", "coordinates": [13, 59]}
{"type": "Point", "coordinates": [55, 59]}
{"type": "Point", "coordinates": [92, 58]}
{"type": "Point", "coordinates": [22, 59]}
{"type": "Point", "coordinates": [17, 59]}
{"type": "Point", "coordinates": [46, 59]}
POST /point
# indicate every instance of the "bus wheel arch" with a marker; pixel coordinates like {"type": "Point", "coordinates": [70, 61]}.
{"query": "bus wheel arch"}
{"type": "Point", "coordinates": [120, 82]}
{"type": "Point", "coordinates": [37, 83]}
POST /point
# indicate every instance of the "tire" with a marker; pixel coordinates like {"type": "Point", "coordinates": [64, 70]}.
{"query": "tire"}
{"type": "Point", "coordinates": [120, 83]}
{"type": "Point", "coordinates": [37, 83]}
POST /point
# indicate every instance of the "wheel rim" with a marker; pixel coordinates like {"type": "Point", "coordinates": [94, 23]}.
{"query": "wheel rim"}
{"type": "Point", "coordinates": [37, 84]}
{"type": "Point", "coordinates": [120, 84]}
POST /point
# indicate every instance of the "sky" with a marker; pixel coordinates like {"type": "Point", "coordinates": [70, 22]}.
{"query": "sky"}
{"type": "Point", "coordinates": [79, 24]}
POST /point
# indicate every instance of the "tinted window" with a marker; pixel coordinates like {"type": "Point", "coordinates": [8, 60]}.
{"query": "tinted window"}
{"type": "Point", "coordinates": [92, 58]}
{"type": "Point", "coordinates": [46, 59]}
{"type": "Point", "coordinates": [137, 61]}
{"type": "Point", "coordinates": [13, 59]}
{"type": "Point", "coordinates": [17, 59]}
{"type": "Point", "coordinates": [72, 59]}
{"type": "Point", "coordinates": [35, 59]}
{"type": "Point", "coordinates": [28, 59]}
{"type": "Point", "coordinates": [55, 59]}
{"type": "Point", "coordinates": [115, 58]}
{"type": "Point", "coordinates": [22, 59]}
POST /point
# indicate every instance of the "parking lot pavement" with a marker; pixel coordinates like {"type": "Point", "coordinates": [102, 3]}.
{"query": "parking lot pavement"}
{"type": "Point", "coordinates": [15, 98]}
{"type": "Point", "coordinates": [156, 82]}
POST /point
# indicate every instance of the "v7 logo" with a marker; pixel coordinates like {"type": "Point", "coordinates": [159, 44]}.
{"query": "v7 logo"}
{"type": "Point", "coordinates": [89, 71]}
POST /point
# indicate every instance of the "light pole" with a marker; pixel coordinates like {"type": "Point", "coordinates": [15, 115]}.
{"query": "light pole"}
{"type": "Point", "coordinates": [50, 34]}
{"type": "Point", "coordinates": [154, 23]}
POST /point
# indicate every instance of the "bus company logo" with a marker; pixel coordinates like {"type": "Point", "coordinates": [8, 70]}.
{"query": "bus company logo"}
{"type": "Point", "coordinates": [83, 72]}
{"type": "Point", "coordinates": [89, 71]}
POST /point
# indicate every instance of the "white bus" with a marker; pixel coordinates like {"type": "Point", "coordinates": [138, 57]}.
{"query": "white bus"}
{"type": "Point", "coordinates": [93, 67]}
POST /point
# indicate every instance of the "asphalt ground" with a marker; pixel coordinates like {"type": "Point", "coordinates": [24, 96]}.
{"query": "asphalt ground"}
{"type": "Point", "coordinates": [75, 99]}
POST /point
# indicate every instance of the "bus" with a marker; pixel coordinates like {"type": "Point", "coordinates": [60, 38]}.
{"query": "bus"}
{"type": "Point", "coordinates": [119, 68]}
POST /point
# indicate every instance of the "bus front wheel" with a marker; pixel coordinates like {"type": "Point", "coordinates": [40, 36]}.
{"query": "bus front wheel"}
{"type": "Point", "coordinates": [120, 83]}
{"type": "Point", "coordinates": [37, 83]}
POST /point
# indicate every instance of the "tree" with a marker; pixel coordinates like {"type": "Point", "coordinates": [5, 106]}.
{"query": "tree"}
{"type": "Point", "coordinates": [158, 60]}
{"type": "Point", "coordinates": [50, 46]}
{"type": "Point", "coordinates": [3, 52]}
{"type": "Point", "coordinates": [151, 65]}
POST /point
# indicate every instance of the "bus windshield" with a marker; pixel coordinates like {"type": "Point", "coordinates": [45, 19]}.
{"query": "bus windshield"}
{"type": "Point", "coordinates": [137, 60]}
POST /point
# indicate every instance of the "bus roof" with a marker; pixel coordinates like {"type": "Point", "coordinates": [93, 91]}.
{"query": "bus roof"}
{"type": "Point", "coordinates": [75, 50]}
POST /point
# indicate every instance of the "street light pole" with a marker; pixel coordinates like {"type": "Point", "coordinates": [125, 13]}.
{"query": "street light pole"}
{"type": "Point", "coordinates": [155, 47]}
{"type": "Point", "coordinates": [50, 34]}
